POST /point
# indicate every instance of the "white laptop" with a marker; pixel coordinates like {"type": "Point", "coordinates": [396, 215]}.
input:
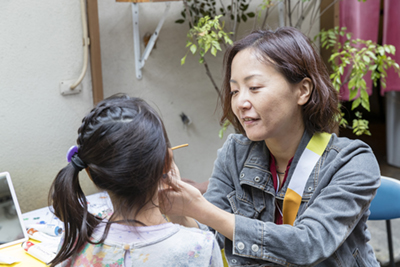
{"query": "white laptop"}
{"type": "Point", "coordinates": [12, 230]}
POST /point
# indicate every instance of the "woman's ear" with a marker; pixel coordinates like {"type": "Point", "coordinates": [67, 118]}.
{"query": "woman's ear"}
{"type": "Point", "coordinates": [305, 89]}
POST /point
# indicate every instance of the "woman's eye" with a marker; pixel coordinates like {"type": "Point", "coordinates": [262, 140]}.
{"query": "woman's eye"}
{"type": "Point", "coordinates": [234, 92]}
{"type": "Point", "coordinates": [253, 88]}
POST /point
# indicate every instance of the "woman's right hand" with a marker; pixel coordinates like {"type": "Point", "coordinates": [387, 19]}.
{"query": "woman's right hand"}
{"type": "Point", "coordinates": [181, 200]}
{"type": "Point", "coordinates": [182, 203]}
{"type": "Point", "coordinates": [177, 199]}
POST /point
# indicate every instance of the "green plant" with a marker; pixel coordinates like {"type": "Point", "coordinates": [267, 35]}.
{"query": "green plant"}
{"type": "Point", "coordinates": [358, 57]}
{"type": "Point", "coordinates": [206, 36]}
{"type": "Point", "coordinates": [223, 129]}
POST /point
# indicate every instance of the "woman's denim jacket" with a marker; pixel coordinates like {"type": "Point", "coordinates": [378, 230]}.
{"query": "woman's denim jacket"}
{"type": "Point", "coordinates": [330, 228]}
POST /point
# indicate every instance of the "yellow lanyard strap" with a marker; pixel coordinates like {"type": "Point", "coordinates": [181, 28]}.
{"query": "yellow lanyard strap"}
{"type": "Point", "coordinates": [310, 156]}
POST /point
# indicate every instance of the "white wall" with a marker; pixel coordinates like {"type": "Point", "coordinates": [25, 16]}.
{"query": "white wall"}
{"type": "Point", "coordinates": [41, 45]}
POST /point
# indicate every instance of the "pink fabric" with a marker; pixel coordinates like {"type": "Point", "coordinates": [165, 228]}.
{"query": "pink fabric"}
{"type": "Point", "coordinates": [391, 35]}
{"type": "Point", "coordinates": [362, 20]}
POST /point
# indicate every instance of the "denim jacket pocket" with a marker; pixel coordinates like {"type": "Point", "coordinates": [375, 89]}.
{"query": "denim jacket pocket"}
{"type": "Point", "coordinates": [241, 206]}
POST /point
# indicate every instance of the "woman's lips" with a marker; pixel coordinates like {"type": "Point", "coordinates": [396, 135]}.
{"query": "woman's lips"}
{"type": "Point", "coordinates": [249, 121]}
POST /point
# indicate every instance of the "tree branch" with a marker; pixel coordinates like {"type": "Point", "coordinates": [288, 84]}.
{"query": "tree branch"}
{"type": "Point", "coordinates": [235, 20]}
{"type": "Point", "coordinates": [223, 7]}
{"type": "Point", "coordinates": [188, 13]}
{"type": "Point", "coordinates": [211, 78]}
{"type": "Point", "coordinates": [289, 13]}
{"type": "Point", "coordinates": [304, 14]}
{"type": "Point", "coordinates": [322, 12]}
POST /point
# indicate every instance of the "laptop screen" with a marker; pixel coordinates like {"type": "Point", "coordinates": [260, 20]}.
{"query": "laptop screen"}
{"type": "Point", "coordinates": [11, 225]}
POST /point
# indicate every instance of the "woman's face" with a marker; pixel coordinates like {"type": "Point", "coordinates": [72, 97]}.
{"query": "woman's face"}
{"type": "Point", "coordinates": [265, 103]}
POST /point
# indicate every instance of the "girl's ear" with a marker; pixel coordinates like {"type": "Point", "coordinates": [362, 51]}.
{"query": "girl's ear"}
{"type": "Point", "coordinates": [170, 175]}
{"type": "Point", "coordinates": [168, 161]}
{"type": "Point", "coordinates": [165, 181]}
{"type": "Point", "coordinates": [305, 89]}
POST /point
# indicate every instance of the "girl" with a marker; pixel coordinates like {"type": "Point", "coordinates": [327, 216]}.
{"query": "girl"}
{"type": "Point", "coordinates": [124, 148]}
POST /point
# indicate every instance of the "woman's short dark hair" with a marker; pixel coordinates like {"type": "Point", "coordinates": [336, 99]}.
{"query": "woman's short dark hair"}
{"type": "Point", "coordinates": [125, 146]}
{"type": "Point", "coordinates": [292, 54]}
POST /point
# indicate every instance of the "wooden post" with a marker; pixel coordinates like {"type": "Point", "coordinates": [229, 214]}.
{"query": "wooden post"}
{"type": "Point", "coordinates": [328, 20]}
{"type": "Point", "coordinates": [95, 51]}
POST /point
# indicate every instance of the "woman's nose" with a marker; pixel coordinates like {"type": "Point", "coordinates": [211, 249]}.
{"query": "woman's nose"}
{"type": "Point", "coordinates": [243, 101]}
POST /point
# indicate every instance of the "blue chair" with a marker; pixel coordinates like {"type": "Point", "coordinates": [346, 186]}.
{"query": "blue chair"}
{"type": "Point", "coordinates": [386, 206]}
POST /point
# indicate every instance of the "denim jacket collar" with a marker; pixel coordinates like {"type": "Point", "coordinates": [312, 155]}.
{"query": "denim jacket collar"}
{"type": "Point", "coordinates": [258, 162]}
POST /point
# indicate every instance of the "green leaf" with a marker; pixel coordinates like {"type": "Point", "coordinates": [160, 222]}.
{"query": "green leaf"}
{"type": "Point", "coordinates": [216, 45]}
{"type": "Point", "coordinates": [251, 14]}
{"type": "Point", "coordinates": [371, 55]}
{"type": "Point", "coordinates": [373, 67]}
{"type": "Point", "coordinates": [381, 50]}
{"type": "Point", "coordinates": [193, 48]}
{"type": "Point", "coordinates": [353, 94]}
{"type": "Point", "coordinates": [331, 35]}
{"type": "Point", "coordinates": [360, 127]}
{"type": "Point", "coordinates": [351, 84]}
{"type": "Point", "coordinates": [207, 47]}
{"type": "Point", "coordinates": [183, 60]}
{"type": "Point", "coordinates": [214, 51]}
{"type": "Point", "coordinates": [227, 40]}
{"type": "Point", "coordinates": [365, 104]}
{"type": "Point", "coordinates": [221, 133]}
{"type": "Point", "coordinates": [341, 70]}
{"type": "Point", "coordinates": [392, 49]}
{"type": "Point", "coordinates": [244, 7]}
{"type": "Point", "coordinates": [364, 94]}
{"type": "Point", "coordinates": [355, 103]}
{"type": "Point", "coordinates": [180, 21]}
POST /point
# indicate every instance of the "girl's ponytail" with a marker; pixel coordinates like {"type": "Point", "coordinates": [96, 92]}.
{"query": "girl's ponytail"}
{"type": "Point", "coordinates": [69, 203]}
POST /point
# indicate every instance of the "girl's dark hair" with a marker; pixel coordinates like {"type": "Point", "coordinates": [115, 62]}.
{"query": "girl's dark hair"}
{"type": "Point", "coordinates": [124, 143]}
{"type": "Point", "coordinates": [291, 53]}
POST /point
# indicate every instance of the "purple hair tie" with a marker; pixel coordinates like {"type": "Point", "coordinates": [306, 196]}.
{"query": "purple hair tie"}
{"type": "Point", "coordinates": [73, 158]}
{"type": "Point", "coordinates": [72, 151]}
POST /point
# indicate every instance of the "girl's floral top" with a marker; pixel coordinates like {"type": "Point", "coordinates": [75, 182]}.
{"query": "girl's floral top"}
{"type": "Point", "coordinates": [153, 246]}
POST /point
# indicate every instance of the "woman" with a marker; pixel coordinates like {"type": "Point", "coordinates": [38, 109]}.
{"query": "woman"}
{"type": "Point", "coordinates": [284, 192]}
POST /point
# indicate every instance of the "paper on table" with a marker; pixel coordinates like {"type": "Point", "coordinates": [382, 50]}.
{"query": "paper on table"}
{"type": "Point", "coordinates": [7, 259]}
{"type": "Point", "coordinates": [98, 204]}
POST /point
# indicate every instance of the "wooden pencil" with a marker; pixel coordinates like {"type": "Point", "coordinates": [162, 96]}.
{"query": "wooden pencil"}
{"type": "Point", "coordinates": [176, 147]}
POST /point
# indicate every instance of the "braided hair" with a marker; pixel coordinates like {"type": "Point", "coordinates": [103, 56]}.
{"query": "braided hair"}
{"type": "Point", "coordinates": [124, 144]}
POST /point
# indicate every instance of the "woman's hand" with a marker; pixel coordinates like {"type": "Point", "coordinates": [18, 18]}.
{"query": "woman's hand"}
{"type": "Point", "coordinates": [182, 203]}
{"type": "Point", "coordinates": [179, 200]}
{"type": "Point", "coordinates": [201, 186]}
{"type": "Point", "coordinates": [176, 198]}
